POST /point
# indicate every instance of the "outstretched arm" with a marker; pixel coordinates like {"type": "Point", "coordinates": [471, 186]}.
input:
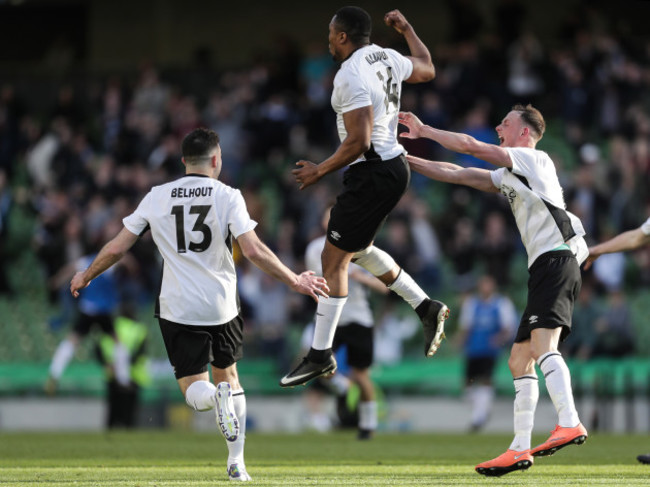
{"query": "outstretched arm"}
{"type": "Point", "coordinates": [453, 141]}
{"type": "Point", "coordinates": [259, 254]}
{"type": "Point", "coordinates": [630, 240]}
{"type": "Point", "coordinates": [423, 69]}
{"type": "Point", "coordinates": [110, 253]}
{"type": "Point", "coordinates": [447, 172]}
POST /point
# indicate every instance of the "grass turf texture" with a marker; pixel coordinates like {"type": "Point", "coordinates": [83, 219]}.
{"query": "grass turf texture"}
{"type": "Point", "coordinates": [147, 459]}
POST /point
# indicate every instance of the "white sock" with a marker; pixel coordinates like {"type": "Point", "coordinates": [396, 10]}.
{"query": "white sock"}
{"type": "Point", "coordinates": [526, 396]}
{"type": "Point", "coordinates": [481, 398]}
{"type": "Point", "coordinates": [201, 395]}
{"type": "Point", "coordinates": [558, 383]}
{"type": "Point", "coordinates": [236, 448]}
{"type": "Point", "coordinates": [122, 365]}
{"type": "Point", "coordinates": [62, 356]}
{"type": "Point", "coordinates": [368, 415]}
{"type": "Point", "coordinates": [328, 313]}
{"type": "Point", "coordinates": [408, 289]}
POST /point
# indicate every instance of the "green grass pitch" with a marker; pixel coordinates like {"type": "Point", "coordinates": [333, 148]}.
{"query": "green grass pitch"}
{"type": "Point", "coordinates": [164, 458]}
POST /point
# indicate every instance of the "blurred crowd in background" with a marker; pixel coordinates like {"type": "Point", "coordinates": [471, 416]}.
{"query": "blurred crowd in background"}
{"type": "Point", "coordinates": [83, 161]}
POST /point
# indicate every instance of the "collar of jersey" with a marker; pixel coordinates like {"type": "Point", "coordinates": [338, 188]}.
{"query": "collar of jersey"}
{"type": "Point", "coordinates": [196, 175]}
{"type": "Point", "coordinates": [356, 50]}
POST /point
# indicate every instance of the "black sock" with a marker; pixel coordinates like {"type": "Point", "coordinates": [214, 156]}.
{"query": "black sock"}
{"type": "Point", "coordinates": [319, 355]}
{"type": "Point", "coordinates": [422, 308]}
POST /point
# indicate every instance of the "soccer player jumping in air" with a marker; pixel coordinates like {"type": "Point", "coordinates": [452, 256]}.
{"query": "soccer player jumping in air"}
{"type": "Point", "coordinates": [553, 238]}
{"type": "Point", "coordinates": [366, 98]}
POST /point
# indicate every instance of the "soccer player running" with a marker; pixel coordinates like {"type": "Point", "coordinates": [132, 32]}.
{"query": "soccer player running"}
{"type": "Point", "coordinates": [193, 220]}
{"type": "Point", "coordinates": [554, 241]}
{"type": "Point", "coordinates": [366, 98]}
{"type": "Point", "coordinates": [630, 240]}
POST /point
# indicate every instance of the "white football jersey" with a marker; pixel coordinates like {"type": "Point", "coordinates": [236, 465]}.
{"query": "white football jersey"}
{"type": "Point", "coordinates": [356, 309]}
{"type": "Point", "coordinates": [373, 76]}
{"type": "Point", "coordinates": [192, 221]}
{"type": "Point", "coordinates": [536, 199]}
{"type": "Point", "coordinates": [645, 228]}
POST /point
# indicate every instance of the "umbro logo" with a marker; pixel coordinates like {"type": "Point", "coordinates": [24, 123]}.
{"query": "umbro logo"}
{"type": "Point", "coordinates": [335, 235]}
{"type": "Point", "coordinates": [533, 319]}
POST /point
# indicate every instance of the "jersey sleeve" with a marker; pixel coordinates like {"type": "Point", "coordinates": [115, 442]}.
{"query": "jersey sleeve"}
{"type": "Point", "coordinates": [645, 228]}
{"type": "Point", "coordinates": [239, 221]}
{"type": "Point", "coordinates": [403, 64]}
{"type": "Point", "coordinates": [523, 160]}
{"type": "Point", "coordinates": [497, 176]}
{"type": "Point", "coordinates": [351, 92]}
{"type": "Point", "coordinates": [138, 221]}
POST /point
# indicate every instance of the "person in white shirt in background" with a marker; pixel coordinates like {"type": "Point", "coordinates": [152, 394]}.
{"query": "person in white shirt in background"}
{"type": "Point", "coordinates": [354, 331]}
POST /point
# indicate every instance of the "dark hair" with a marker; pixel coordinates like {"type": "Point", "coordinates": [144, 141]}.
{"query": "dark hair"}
{"type": "Point", "coordinates": [355, 22]}
{"type": "Point", "coordinates": [199, 143]}
{"type": "Point", "coordinates": [532, 118]}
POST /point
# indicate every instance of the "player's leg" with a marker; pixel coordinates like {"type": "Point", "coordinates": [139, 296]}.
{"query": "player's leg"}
{"type": "Point", "coordinates": [432, 313]}
{"type": "Point", "coordinates": [518, 457]}
{"type": "Point", "coordinates": [122, 357]}
{"type": "Point", "coordinates": [367, 403]}
{"type": "Point", "coordinates": [227, 350]}
{"type": "Point", "coordinates": [360, 344]}
{"type": "Point", "coordinates": [231, 406]}
{"type": "Point", "coordinates": [554, 286]}
{"type": "Point", "coordinates": [65, 351]}
{"type": "Point", "coordinates": [320, 360]}
{"type": "Point", "coordinates": [569, 430]}
{"type": "Point", "coordinates": [480, 390]}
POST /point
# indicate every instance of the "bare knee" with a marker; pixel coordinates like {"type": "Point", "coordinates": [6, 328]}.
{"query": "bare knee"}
{"type": "Point", "coordinates": [521, 361]}
{"type": "Point", "coordinates": [229, 374]}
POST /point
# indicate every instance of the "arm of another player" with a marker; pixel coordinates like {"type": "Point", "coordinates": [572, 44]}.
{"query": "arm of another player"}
{"type": "Point", "coordinates": [423, 69]}
{"type": "Point", "coordinates": [110, 253]}
{"type": "Point", "coordinates": [447, 172]}
{"type": "Point", "coordinates": [358, 125]}
{"type": "Point", "coordinates": [630, 240]}
{"type": "Point", "coordinates": [369, 281]}
{"type": "Point", "coordinates": [259, 254]}
{"type": "Point", "coordinates": [463, 143]}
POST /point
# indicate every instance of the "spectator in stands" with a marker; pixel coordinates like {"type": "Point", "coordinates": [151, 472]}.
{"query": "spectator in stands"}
{"type": "Point", "coordinates": [587, 311]}
{"type": "Point", "coordinates": [463, 252]}
{"type": "Point", "coordinates": [6, 201]}
{"type": "Point", "coordinates": [614, 329]}
{"type": "Point", "coordinates": [486, 325]}
{"type": "Point", "coordinates": [496, 248]}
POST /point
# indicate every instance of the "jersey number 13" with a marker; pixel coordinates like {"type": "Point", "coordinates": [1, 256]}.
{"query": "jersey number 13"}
{"type": "Point", "coordinates": [199, 226]}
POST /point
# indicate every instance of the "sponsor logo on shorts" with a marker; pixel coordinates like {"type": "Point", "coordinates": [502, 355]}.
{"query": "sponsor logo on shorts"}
{"type": "Point", "coordinates": [335, 235]}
